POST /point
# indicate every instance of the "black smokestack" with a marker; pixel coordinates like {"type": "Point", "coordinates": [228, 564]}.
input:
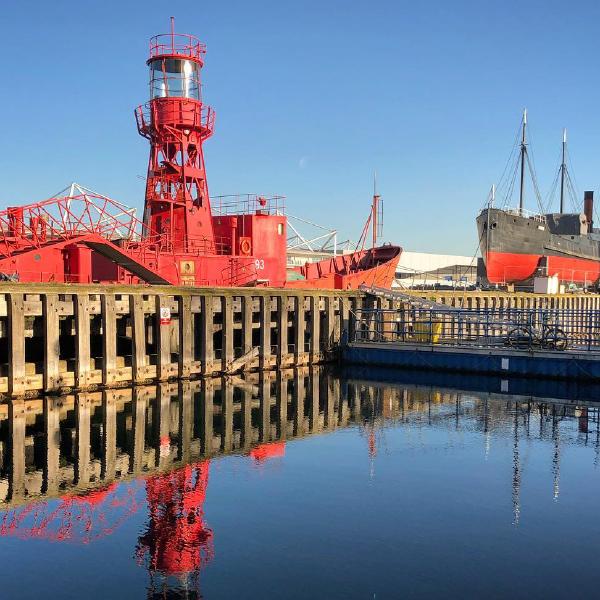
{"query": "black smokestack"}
{"type": "Point", "coordinates": [588, 209]}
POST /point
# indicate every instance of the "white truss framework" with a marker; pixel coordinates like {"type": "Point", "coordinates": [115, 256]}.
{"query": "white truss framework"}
{"type": "Point", "coordinates": [321, 242]}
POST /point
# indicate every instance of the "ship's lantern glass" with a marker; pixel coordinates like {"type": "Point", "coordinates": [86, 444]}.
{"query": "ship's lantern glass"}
{"type": "Point", "coordinates": [175, 77]}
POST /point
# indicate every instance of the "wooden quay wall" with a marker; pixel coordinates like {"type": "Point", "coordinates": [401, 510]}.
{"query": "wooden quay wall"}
{"type": "Point", "coordinates": [56, 337]}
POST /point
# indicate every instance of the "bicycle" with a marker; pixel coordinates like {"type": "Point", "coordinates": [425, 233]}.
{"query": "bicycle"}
{"type": "Point", "coordinates": [547, 336]}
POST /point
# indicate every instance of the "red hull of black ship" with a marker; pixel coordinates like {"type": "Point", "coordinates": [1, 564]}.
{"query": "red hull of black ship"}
{"type": "Point", "coordinates": [517, 247]}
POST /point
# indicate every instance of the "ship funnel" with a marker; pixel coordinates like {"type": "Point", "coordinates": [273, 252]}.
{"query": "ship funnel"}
{"type": "Point", "coordinates": [588, 209]}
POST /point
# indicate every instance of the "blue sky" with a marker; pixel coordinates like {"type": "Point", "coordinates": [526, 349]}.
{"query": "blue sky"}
{"type": "Point", "coordinates": [311, 97]}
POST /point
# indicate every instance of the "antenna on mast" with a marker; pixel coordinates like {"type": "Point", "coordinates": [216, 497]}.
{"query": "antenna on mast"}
{"type": "Point", "coordinates": [173, 34]}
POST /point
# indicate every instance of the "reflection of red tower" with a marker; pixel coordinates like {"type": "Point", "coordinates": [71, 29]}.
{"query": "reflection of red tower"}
{"type": "Point", "coordinates": [177, 541]}
{"type": "Point", "coordinates": [176, 123]}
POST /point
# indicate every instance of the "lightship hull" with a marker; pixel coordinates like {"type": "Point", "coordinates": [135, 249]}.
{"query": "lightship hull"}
{"type": "Point", "coordinates": [373, 267]}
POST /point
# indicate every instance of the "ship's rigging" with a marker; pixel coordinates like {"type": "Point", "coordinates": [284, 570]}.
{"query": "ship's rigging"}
{"type": "Point", "coordinates": [520, 168]}
{"type": "Point", "coordinates": [520, 162]}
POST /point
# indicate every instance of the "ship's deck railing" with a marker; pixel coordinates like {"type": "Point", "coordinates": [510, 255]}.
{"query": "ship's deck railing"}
{"type": "Point", "coordinates": [546, 329]}
{"type": "Point", "coordinates": [523, 212]}
{"type": "Point", "coordinates": [247, 204]}
{"type": "Point", "coordinates": [161, 244]}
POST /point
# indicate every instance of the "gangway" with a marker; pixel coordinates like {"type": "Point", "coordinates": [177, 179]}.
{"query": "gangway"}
{"type": "Point", "coordinates": [414, 301]}
{"type": "Point", "coordinates": [552, 327]}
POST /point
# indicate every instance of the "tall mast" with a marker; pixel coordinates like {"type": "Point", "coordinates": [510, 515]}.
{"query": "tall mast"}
{"type": "Point", "coordinates": [375, 209]}
{"type": "Point", "coordinates": [563, 168]}
{"type": "Point", "coordinates": [523, 157]}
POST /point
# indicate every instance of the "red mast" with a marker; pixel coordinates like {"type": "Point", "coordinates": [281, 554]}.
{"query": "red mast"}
{"type": "Point", "coordinates": [176, 122]}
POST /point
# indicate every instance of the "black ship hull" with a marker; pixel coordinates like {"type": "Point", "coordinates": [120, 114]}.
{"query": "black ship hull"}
{"type": "Point", "coordinates": [517, 247]}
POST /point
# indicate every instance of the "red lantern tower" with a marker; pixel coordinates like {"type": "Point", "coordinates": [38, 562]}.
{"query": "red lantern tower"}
{"type": "Point", "coordinates": [176, 122]}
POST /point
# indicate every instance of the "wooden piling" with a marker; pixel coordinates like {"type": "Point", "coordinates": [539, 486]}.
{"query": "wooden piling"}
{"type": "Point", "coordinates": [247, 326]}
{"type": "Point", "coordinates": [315, 328]}
{"type": "Point", "coordinates": [163, 340]}
{"type": "Point", "coordinates": [207, 352]}
{"type": "Point", "coordinates": [299, 328]}
{"type": "Point", "coordinates": [16, 340]}
{"type": "Point", "coordinates": [109, 339]}
{"type": "Point", "coordinates": [282, 328]}
{"type": "Point", "coordinates": [82, 341]}
{"type": "Point", "coordinates": [186, 333]}
{"type": "Point", "coordinates": [51, 320]}
{"type": "Point", "coordinates": [265, 332]}
{"type": "Point", "coordinates": [136, 307]}
{"type": "Point", "coordinates": [227, 351]}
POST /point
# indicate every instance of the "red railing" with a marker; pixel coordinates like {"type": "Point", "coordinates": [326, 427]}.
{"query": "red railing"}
{"type": "Point", "coordinates": [188, 112]}
{"type": "Point", "coordinates": [182, 44]}
{"type": "Point", "coordinates": [247, 204]}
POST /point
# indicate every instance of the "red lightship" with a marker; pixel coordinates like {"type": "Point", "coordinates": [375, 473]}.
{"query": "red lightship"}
{"type": "Point", "coordinates": [82, 237]}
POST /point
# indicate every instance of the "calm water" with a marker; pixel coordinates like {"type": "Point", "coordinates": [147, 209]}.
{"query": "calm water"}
{"type": "Point", "coordinates": [302, 485]}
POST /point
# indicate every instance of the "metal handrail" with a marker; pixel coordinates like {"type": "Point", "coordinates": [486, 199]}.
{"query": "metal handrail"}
{"type": "Point", "coordinates": [247, 204]}
{"type": "Point", "coordinates": [182, 44]}
{"type": "Point", "coordinates": [192, 112]}
{"type": "Point", "coordinates": [548, 328]}
{"type": "Point", "coordinates": [523, 212]}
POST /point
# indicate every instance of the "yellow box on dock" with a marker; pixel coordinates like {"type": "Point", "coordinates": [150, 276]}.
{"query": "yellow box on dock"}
{"type": "Point", "coordinates": [427, 331]}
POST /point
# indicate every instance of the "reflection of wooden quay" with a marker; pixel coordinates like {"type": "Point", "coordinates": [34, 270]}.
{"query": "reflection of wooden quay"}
{"type": "Point", "coordinates": [54, 337]}
{"type": "Point", "coordinates": [77, 443]}
{"type": "Point", "coordinates": [54, 445]}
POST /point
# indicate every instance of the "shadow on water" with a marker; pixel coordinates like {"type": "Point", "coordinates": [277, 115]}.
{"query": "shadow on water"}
{"type": "Point", "coordinates": [75, 469]}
